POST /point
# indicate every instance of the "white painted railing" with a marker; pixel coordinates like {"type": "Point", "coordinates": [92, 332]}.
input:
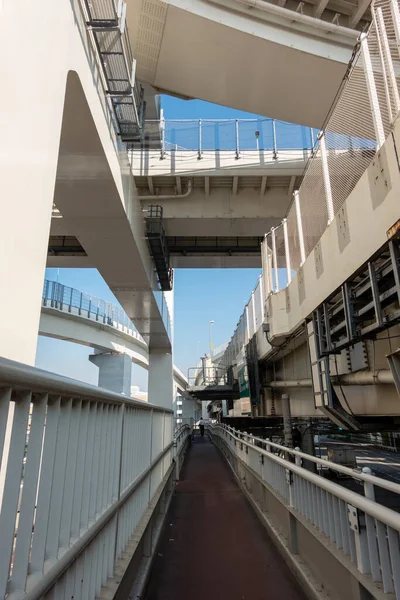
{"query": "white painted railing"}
{"type": "Point", "coordinates": [363, 530]}
{"type": "Point", "coordinates": [79, 468]}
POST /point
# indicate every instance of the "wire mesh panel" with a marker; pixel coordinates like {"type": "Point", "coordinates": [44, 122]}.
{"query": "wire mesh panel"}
{"type": "Point", "coordinates": [293, 239]}
{"type": "Point", "coordinates": [350, 137]}
{"type": "Point", "coordinates": [380, 76]}
{"type": "Point", "coordinates": [280, 258]}
{"type": "Point", "coordinates": [314, 211]}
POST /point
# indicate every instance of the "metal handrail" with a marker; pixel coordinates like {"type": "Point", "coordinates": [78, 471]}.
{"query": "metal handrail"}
{"type": "Point", "coordinates": [360, 476]}
{"type": "Point", "coordinates": [24, 377]}
{"type": "Point", "coordinates": [362, 529]}
{"type": "Point", "coordinates": [60, 296]}
{"type": "Point", "coordinates": [266, 135]}
{"type": "Point", "coordinates": [74, 459]}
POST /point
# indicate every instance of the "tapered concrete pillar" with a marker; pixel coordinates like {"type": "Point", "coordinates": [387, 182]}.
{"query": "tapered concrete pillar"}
{"type": "Point", "coordinates": [160, 386]}
{"type": "Point", "coordinates": [115, 371]}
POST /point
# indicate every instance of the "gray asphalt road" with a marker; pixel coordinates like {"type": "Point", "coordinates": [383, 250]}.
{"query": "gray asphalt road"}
{"type": "Point", "coordinates": [383, 464]}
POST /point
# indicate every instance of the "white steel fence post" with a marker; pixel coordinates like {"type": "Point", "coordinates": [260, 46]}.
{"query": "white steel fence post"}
{"type": "Point", "coordinates": [299, 227]}
{"type": "Point", "coordinates": [261, 290]}
{"type": "Point", "coordinates": [379, 39]}
{"type": "Point", "coordinates": [388, 63]}
{"type": "Point", "coordinates": [395, 11]}
{"type": "Point", "coordinates": [266, 267]}
{"type": "Point", "coordinates": [275, 155]}
{"type": "Point", "coordinates": [369, 493]}
{"type": "Point", "coordinates": [162, 134]}
{"type": "Point", "coordinates": [327, 181]}
{"type": "Point", "coordinates": [200, 141]}
{"type": "Point", "coordinates": [237, 137]}
{"type": "Point", "coordinates": [274, 260]}
{"type": "Point", "coordinates": [372, 93]}
{"type": "Point", "coordinates": [287, 252]}
{"type": "Point", "coordinates": [253, 310]}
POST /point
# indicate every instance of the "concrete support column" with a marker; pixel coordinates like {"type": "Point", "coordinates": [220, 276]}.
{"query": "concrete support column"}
{"type": "Point", "coordinates": [115, 371]}
{"type": "Point", "coordinates": [160, 386]}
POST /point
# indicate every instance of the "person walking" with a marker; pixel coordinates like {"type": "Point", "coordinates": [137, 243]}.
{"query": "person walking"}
{"type": "Point", "coordinates": [201, 425]}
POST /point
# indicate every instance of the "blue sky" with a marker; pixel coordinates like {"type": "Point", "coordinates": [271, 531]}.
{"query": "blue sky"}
{"type": "Point", "coordinates": [200, 295]}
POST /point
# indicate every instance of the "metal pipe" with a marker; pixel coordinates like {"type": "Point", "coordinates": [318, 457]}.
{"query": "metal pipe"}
{"type": "Point", "coordinates": [171, 196]}
{"type": "Point", "coordinates": [296, 17]}
{"type": "Point", "coordinates": [382, 376]}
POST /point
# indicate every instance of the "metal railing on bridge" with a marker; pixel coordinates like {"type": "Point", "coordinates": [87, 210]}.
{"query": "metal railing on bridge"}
{"type": "Point", "coordinates": [65, 298]}
{"type": "Point", "coordinates": [362, 118]}
{"type": "Point", "coordinates": [237, 135]}
{"type": "Point", "coordinates": [362, 530]}
{"type": "Point", "coordinates": [80, 467]}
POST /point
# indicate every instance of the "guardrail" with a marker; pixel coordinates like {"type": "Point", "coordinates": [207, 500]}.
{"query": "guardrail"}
{"type": "Point", "coordinates": [65, 298]}
{"type": "Point", "coordinates": [79, 468]}
{"type": "Point", "coordinates": [68, 299]}
{"type": "Point", "coordinates": [364, 531]}
{"type": "Point", "coordinates": [362, 118]}
{"type": "Point", "coordinates": [237, 135]}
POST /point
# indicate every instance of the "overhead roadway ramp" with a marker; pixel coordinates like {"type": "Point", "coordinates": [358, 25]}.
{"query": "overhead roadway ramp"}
{"type": "Point", "coordinates": [249, 54]}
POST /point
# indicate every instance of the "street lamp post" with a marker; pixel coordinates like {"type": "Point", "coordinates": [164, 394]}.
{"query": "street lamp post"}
{"type": "Point", "coordinates": [211, 323]}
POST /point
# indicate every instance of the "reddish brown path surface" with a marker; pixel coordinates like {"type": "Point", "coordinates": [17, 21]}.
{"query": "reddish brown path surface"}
{"type": "Point", "coordinates": [213, 546]}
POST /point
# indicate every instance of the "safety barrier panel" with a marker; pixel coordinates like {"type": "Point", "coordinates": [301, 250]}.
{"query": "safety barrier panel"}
{"type": "Point", "coordinates": [362, 118]}
{"type": "Point", "coordinates": [68, 299]}
{"type": "Point", "coordinates": [366, 533]}
{"type": "Point", "coordinates": [80, 467]}
{"type": "Point", "coordinates": [237, 135]}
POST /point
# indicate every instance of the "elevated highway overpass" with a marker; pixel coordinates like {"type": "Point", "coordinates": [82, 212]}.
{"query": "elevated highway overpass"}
{"type": "Point", "coordinates": [247, 42]}
{"type": "Point", "coordinates": [221, 185]}
{"type": "Point", "coordinates": [73, 316]}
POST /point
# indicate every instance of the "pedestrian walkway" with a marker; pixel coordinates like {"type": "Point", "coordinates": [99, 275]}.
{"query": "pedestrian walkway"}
{"type": "Point", "coordinates": [213, 545]}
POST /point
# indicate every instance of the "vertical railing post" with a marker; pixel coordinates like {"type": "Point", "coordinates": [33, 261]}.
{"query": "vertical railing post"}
{"type": "Point", "coordinates": [162, 134]}
{"type": "Point", "coordinates": [299, 227]}
{"type": "Point", "coordinates": [275, 153]}
{"type": "Point", "coordinates": [379, 39]}
{"type": "Point", "coordinates": [287, 252]}
{"type": "Point", "coordinates": [90, 306]}
{"type": "Point", "coordinates": [70, 300]}
{"type": "Point", "coordinates": [237, 138]}
{"type": "Point", "coordinates": [261, 289]}
{"type": "Point", "coordinates": [327, 181]}
{"type": "Point", "coordinates": [274, 260]}
{"type": "Point", "coordinates": [372, 93]}
{"type": "Point", "coordinates": [200, 154]}
{"type": "Point", "coordinates": [52, 292]}
{"type": "Point", "coordinates": [369, 492]}
{"type": "Point", "coordinates": [80, 305]}
{"type": "Point", "coordinates": [253, 309]}
{"type": "Point", "coordinates": [388, 62]}
{"type": "Point", "coordinates": [396, 21]}
{"type": "Point", "coordinates": [266, 267]}
{"type": "Point", "coordinates": [247, 334]}
{"type": "Point", "coordinates": [312, 138]}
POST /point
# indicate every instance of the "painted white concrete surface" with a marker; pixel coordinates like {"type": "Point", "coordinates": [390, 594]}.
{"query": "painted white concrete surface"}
{"type": "Point", "coordinates": [216, 163]}
{"type": "Point", "coordinates": [57, 145]}
{"type": "Point", "coordinates": [59, 324]}
{"type": "Point", "coordinates": [367, 222]}
{"type": "Point", "coordinates": [241, 62]}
